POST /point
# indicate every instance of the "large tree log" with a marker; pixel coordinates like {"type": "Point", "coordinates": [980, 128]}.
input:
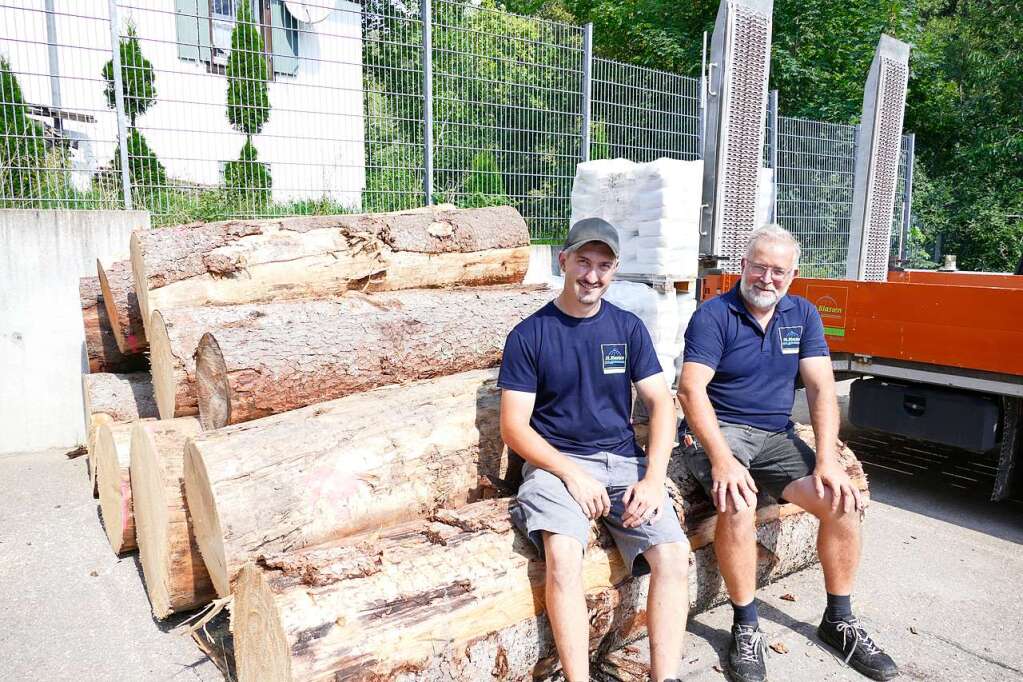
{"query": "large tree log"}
{"type": "Point", "coordinates": [337, 468]}
{"type": "Point", "coordinates": [100, 345]}
{"type": "Point", "coordinates": [176, 578]}
{"type": "Point", "coordinates": [249, 261]}
{"type": "Point", "coordinates": [113, 398]}
{"type": "Point", "coordinates": [457, 597]}
{"type": "Point", "coordinates": [288, 355]}
{"type": "Point", "coordinates": [173, 337]}
{"type": "Point", "coordinates": [113, 478]}
{"type": "Point", "coordinates": [117, 283]}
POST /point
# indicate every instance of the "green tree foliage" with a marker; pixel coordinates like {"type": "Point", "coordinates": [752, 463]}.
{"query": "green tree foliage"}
{"type": "Point", "coordinates": [491, 92]}
{"type": "Point", "coordinates": [248, 101]}
{"type": "Point", "coordinates": [600, 148]}
{"type": "Point", "coordinates": [248, 109]}
{"type": "Point", "coordinates": [145, 171]}
{"type": "Point", "coordinates": [22, 148]}
{"type": "Point", "coordinates": [138, 83]}
{"type": "Point", "coordinates": [247, 179]}
{"type": "Point", "coordinates": [964, 102]}
{"type": "Point", "coordinates": [485, 186]}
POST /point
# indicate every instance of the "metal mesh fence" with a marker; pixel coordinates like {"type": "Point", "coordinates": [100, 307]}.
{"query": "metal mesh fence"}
{"type": "Point", "coordinates": [507, 107]}
{"type": "Point", "coordinates": [643, 114]}
{"type": "Point", "coordinates": [57, 132]}
{"type": "Point", "coordinates": [263, 107]}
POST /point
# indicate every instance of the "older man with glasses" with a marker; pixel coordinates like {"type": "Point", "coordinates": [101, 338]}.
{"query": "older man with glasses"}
{"type": "Point", "coordinates": [743, 352]}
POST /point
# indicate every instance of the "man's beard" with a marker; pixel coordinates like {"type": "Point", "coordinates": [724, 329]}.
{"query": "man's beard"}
{"type": "Point", "coordinates": [759, 299]}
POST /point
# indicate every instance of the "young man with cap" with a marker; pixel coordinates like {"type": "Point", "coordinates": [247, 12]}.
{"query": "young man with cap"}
{"type": "Point", "coordinates": [567, 377]}
{"type": "Point", "coordinates": [742, 354]}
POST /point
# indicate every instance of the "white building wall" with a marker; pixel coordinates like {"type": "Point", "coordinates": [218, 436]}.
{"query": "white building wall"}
{"type": "Point", "coordinates": [313, 141]}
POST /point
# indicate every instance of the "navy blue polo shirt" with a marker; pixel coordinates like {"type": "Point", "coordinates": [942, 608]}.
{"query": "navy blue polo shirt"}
{"type": "Point", "coordinates": [582, 371]}
{"type": "Point", "coordinates": [755, 369]}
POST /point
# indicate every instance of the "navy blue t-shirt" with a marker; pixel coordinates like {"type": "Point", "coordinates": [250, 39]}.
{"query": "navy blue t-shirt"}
{"type": "Point", "coordinates": [755, 369]}
{"type": "Point", "coordinates": [581, 370]}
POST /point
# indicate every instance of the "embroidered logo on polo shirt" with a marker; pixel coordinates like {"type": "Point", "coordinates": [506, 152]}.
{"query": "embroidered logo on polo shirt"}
{"type": "Point", "coordinates": [790, 337]}
{"type": "Point", "coordinates": [613, 356]}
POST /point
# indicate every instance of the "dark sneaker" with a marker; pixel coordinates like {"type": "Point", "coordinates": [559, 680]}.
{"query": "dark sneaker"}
{"type": "Point", "coordinates": [857, 648]}
{"type": "Point", "coordinates": [746, 654]}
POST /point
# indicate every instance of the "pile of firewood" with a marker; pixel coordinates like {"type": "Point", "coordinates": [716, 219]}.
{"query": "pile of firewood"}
{"type": "Point", "coordinates": [301, 416]}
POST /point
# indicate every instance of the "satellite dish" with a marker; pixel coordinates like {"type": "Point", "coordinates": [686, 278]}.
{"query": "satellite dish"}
{"type": "Point", "coordinates": [309, 12]}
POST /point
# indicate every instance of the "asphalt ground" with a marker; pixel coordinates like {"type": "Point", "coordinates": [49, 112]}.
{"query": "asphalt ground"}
{"type": "Point", "coordinates": [939, 586]}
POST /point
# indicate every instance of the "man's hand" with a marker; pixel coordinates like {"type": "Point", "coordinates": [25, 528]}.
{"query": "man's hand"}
{"type": "Point", "coordinates": [844, 494]}
{"type": "Point", "coordinates": [643, 501]}
{"type": "Point", "coordinates": [733, 481]}
{"type": "Point", "coordinates": [589, 493]}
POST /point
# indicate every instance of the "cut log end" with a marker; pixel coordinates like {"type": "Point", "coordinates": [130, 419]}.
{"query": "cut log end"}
{"type": "Point", "coordinates": [113, 446]}
{"type": "Point", "coordinates": [202, 508]}
{"type": "Point", "coordinates": [263, 652]}
{"type": "Point", "coordinates": [176, 578]}
{"type": "Point", "coordinates": [138, 268]}
{"type": "Point", "coordinates": [212, 386]}
{"type": "Point", "coordinates": [121, 305]}
{"type": "Point", "coordinates": [167, 372]}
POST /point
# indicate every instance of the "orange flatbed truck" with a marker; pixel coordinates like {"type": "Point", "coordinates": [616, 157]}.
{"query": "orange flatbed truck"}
{"type": "Point", "coordinates": [937, 356]}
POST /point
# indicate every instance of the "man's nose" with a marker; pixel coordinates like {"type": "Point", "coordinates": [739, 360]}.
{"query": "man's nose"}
{"type": "Point", "coordinates": [591, 276]}
{"type": "Point", "coordinates": [767, 277]}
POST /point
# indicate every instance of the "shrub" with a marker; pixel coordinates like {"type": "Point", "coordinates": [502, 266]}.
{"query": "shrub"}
{"type": "Point", "coordinates": [248, 102]}
{"type": "Point", "coordinates": [138, 84]}
{"type": "Point", "coordinates": [22, 147]}
{"type": "Point", "coordinates": [247, 179]}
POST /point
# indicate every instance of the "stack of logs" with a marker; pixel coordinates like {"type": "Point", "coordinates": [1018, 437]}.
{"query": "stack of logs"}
{"type": "Point", "coordinates": [317, 439]}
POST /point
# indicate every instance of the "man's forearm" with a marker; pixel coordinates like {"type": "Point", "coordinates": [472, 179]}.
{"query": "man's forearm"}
{"type": "Point", "coordinates": [702, 421]}
{"type": "Point", "coordinates": [532, 447]}
{"type": "Point", "coordinates": [658, 448]}
{"type": "Point", "coordinates": [825, 419]}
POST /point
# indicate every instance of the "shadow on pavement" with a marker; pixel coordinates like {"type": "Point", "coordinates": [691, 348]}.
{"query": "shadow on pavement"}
{"type": "Point", "coordinates": [943, 483]}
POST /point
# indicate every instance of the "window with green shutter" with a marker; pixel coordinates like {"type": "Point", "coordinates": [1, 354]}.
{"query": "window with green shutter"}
{"type": "Point", "coordinates": [204, 27]}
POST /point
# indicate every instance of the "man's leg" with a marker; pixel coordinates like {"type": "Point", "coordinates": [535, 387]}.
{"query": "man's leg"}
{"type": "Point", "coordinates": [566, 604]}
{"type": "Point", "coordinates": [838, 540]}
{"type": "Point", "coordinates": [667, 607]}
{"type": "Point", "coordinates": [838, 546]}
{"type": "Point", "coordinates": [735, 545]}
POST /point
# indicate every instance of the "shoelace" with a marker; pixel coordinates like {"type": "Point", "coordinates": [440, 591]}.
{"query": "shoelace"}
{"type": "Point", "coordinates": [854, 629]}
{"type": "Point", "coordinates": [750, 642]}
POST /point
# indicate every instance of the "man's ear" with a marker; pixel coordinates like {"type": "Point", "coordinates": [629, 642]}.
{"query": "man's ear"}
{"type": "Point", "coordinates": [561, 260]}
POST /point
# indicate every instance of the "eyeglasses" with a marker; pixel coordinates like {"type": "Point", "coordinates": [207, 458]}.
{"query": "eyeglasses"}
{"type": "Point", "coordinates": [758, 270]}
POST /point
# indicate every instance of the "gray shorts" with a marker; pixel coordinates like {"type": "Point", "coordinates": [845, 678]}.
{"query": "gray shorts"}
{"type": "Point", "coordinates": [774, 458]}
{"type": "Point", "coordinates": [546, 505]}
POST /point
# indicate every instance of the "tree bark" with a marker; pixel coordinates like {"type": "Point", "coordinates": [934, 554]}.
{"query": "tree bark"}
{"type": "Point", "coordinates": [173, 337]}
{"type": "Point", "coordinates": [252, 261]}
{"type": "Point", "coordinates": [100, 345]}
{"type": "Point", "coordinates": [329, 470]}
{"type": "Point", "coordinates": [113, 398]}
{"type": "Point", "coordinates": [456, 597]}
{"type": "Point", "coordinates": [176, 578]}
{"type": "Point", "coordinates": [289, 355]}
{"type": "Point", "coordinates": [122, 306]}
{"type": "Point", "coordinates": [113, 455]}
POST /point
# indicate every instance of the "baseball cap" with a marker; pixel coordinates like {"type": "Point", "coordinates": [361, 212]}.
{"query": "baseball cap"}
{"type": "Point", "coordinates": [592, 230]}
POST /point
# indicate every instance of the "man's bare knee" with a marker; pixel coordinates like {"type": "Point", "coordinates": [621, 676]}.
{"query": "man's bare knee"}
{"type": "Point", "coordinates": [670, 560]}
{"type": "Point", "coordinates": [564, 556]}
{"type": "Point", "coordinates": [738, 522]}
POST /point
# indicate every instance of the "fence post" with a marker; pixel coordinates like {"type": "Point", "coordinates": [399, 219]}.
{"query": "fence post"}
{"type": "Point", "coordinates": [122, 128]}
{"type": "Point", "coordinates": [54, 62]}
{"type": "Point", "coordinates": [907, 198]}
{"type": "Point", "coordinates": [426, 17]}
{"type": "Point", "coordinates": [772, 159]}
{"type": "Point", "coordinates": [587, 90]}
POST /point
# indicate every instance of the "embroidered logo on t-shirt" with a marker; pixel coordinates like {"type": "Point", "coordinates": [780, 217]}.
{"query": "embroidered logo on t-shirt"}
{"type": "Point", "coordinates": [790, 337]}
{"type": "Point", "coordinates": [613, 357]}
